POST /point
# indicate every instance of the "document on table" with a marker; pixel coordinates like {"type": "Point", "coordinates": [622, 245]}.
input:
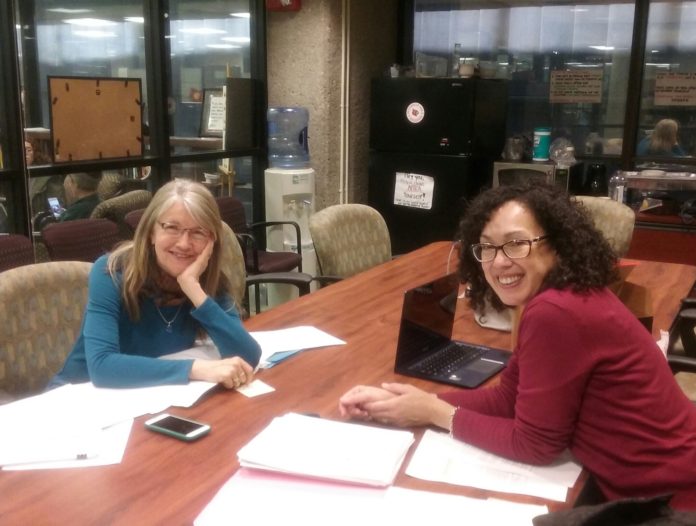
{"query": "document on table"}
{"type": "Point", "coordinates": [328, 449]}
{"type": "Point", "coordinates": [441, 458]}
{"type": "Point", "coordinates": [290, 500]}
{"type": "Point", "coordinates": [67, 423]}
{"type": "Point", "coordinates": [280, 344]}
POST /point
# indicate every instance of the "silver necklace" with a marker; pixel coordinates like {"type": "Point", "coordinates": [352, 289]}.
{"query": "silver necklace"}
{"type": "Point", "coordinates": [165, 320]}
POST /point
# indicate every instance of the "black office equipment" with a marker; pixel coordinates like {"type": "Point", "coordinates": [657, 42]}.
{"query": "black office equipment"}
{"type": "Point", "coordinates": [432, 144]}
{"type": "Point", "coordinates": [426, 349]}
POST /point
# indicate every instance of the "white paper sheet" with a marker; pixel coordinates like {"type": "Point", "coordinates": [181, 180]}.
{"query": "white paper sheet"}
{"type": "Point", "coordinates": [66, 422]}
{"type": "Point", "coordinates": [442, 458]}
{"type": "Point", "coordinates": [254, 497]}
{"type": "Point", "coordinates": [107, 447]}
{"type": "Point", "coordinates": [292, 339]}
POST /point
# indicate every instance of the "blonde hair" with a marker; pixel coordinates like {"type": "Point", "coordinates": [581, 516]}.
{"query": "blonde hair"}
{"type": "Point", "coordinates": [664, 136]}
{"type": "Point", "coordinates": [136, 260]}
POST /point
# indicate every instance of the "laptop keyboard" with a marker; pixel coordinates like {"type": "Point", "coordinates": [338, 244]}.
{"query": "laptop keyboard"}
{"type": "Point", "coordinates": [448, 359]}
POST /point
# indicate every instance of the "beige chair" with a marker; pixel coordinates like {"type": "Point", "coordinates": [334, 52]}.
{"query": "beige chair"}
{"type": "Point", "coordinates": [349, 239]}
{"type": "Point", "coordinates": [41, 308]}
{"type": "Point", "coordinates": [614, 220]}
{"type": "Point", "coordinates": [117, 207]}
{"type": "Point", "coordinates": [237, 274]}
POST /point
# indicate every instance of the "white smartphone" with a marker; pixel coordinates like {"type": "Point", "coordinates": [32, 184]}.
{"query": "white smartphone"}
{"type": "Point", "coordinates": [177, 427]}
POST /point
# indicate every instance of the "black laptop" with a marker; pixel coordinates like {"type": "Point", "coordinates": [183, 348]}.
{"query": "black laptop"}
{"type": "Point", "coordinates": [426, 349]}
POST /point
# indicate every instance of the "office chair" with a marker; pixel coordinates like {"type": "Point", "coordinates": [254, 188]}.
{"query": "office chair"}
{"type": "Point", "coordinates": [117, 207]}
{"type": "Point", "coordinates": [613, 219]}
{"type": "Point", "coordinates": [41, 308]}
{"type": "Point", "coordinates": [15, 250]}
{"type": "Point", "coordinates": [259, 261]}
{"type": "Point", "coordinates": [349, 239]}
{"type": "Point", "coordinates": [241, 281]}
{"type": "Point", "coordinates": [132, 219]}
{"type": "Point", "coordinates": [80, 240]}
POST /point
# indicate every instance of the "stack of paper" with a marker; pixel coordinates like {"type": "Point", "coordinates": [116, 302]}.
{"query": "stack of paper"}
{"type": "Point", "coordinates": [314, 447]}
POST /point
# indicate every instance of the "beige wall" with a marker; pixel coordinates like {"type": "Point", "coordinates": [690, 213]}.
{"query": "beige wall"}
{"type": "Point", "coordinates": [305, 65]}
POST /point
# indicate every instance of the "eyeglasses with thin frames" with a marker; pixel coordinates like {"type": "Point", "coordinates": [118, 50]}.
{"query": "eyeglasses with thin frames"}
{"type": "Point", "coordinates": [514, 249]}
{"type": "Point", "coordinates": [198, 235]}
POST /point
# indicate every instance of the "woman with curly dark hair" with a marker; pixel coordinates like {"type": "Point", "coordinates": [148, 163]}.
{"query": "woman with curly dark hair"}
{"type": "Point", "coordinates": [585, 375]}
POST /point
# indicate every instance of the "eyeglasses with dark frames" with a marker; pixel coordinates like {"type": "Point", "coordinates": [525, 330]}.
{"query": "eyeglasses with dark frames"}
{"type": "Point", "coordinates": [514, 249]}
{"type": "Point", "coordinates": [195, 234]}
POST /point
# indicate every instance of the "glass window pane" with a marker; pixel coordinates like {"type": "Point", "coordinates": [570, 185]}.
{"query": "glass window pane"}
{"type": "Point", "coordinates": [534, 47]}
{"type": "Point", "coordinates": [667, 127]}
{"type": "Point", "coordinates": [86, 39]}
{"type": "Point", "coordinates": [207, 44]}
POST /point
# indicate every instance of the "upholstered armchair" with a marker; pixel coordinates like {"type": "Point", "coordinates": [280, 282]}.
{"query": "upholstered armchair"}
{"type": "Point", "coordinates": [80, 240]}
{"type": "Point", "coordinates": [614, 220]}
{"type": "Point", "coordinates": [117, 207]}
{"type": "Point", "coordinates": [15, 250]}
{"type": "Point", "coordinates": [41, 308]}
{"type": "Point", "coordinates": [349, 239]}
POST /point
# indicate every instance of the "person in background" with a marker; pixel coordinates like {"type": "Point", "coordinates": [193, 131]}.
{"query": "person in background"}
{"type": "Point", "coordinates": [585, 375]}
{"type": "Point", "coordinates": [156, 294]}
{"type": "Point", "coordinates": [81, 195]}
{"type": "Point", "coordinates": [662, 141]}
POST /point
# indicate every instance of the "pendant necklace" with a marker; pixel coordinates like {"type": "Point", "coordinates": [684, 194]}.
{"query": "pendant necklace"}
{"type": "Point", "coordinates": [165, 320]}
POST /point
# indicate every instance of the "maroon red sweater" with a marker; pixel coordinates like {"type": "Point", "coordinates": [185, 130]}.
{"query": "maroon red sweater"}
{"type": "Point", "coordinates": [588, 377]}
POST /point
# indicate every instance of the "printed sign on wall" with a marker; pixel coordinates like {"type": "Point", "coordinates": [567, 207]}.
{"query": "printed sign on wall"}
{"type": "Point", "coordinates": [675, 89]}
{"type": "Point", "coordinates": [575, 86]}
{"type": "Point", "coordinates": [414, 190]}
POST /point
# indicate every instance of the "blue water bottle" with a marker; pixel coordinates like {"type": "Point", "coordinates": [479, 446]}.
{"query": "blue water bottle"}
{"type": "Point", "coordinates": [287, 137]}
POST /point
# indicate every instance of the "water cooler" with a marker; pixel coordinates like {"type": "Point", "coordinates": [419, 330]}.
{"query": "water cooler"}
{"type": "Point", "coordinates": [289, 186]}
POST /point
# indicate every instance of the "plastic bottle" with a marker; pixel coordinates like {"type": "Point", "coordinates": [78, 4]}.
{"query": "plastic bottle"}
{"type": "Point", "coordinates": [287, 137]}
{"type": "Point", "coordinates": [456, 56]}
{"type": "Point", "coordinates": [542, 141]}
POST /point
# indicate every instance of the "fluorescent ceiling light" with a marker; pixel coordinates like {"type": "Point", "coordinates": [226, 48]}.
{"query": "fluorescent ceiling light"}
{"type": "Point", "coordinates": [603, 48]}
{"type": "Point", "coordinates": [68, 11]}
{"type": "Point", "coordinates": [202, 31]}
{"type": "Point", "coordinates": [241, 15]}
{"type": "Point", "coordinates": [657, 64]}
{"type": "Point", "coordinates": [222, 46]}
{"type": "Point", "coordinates": [237, 40]}
{"type": "Point", "coordinates": [93, 33]}
{"type": "Point", "coordinates": [89, 22]}
{"type": "Point", "coordinates": [135, 19]}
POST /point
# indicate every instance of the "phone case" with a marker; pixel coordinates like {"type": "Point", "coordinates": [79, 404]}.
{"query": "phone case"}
{"type": "Point", "coordinates": [165, 431]}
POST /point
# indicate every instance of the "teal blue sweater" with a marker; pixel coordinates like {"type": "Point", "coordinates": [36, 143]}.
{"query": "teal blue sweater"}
{"type": "Point", "coordinates": [114, 351]}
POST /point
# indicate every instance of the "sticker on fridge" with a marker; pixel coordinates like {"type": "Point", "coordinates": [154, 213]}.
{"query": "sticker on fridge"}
{"type": "Point", "coordinates": [414, 190]}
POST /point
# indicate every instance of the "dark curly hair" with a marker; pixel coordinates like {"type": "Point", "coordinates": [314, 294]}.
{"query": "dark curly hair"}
{"type": "Point", "coordinates": [585, 259]}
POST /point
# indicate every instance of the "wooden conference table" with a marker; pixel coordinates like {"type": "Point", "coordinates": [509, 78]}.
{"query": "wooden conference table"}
{"type": "Point", "coordinates": [164, 481]}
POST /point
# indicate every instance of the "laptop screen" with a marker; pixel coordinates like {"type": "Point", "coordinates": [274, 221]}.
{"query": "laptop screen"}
{"type": "Point", "coordinates": [427, 318]}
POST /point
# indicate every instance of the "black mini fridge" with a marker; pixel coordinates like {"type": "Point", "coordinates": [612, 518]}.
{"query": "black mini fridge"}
{"type": "Point", "coordinates": [432, 147]}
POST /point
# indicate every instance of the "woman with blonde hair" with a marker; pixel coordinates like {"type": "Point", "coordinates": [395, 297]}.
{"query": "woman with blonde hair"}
{"type": "Point", "coordinates": [663, 140]}
{"type": "Point", "coordinates": [155, 295]}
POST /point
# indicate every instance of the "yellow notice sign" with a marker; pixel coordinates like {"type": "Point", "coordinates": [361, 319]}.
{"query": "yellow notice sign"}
{"type": "Point", "coordinates": [576, 85]}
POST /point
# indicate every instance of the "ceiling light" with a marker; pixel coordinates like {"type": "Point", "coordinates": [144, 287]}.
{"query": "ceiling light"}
{"type": "Point", "coordinates": [237, 40]}
{"type": "Point", "coordinates": [241, 15]}
{"type": "Point", "coordinates": [89, 22]}
{"type": "Point", "coordinates": [222, 46]}
{"type": "Point", "coordinates": [202, 31]}
{"type": "Point", "coordinates": [67, 11]}
{"type": "Point", "coordinates": [603, 48]}
{"type": "Point", "coordinates": [135, 19]}
{"type": "Point", "coordinates": [93, 33]}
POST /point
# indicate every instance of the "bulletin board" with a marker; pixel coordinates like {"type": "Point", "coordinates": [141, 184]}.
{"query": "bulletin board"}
{"type": "Point", "coordinates": [95, 118]}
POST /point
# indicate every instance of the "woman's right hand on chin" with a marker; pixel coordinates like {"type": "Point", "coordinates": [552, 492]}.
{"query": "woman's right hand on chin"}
{"type": "Point", "coordinates": [230, 372]}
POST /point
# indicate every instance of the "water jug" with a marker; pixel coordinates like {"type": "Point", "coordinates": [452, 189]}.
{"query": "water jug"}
{"type": "Point", "coordinates": [287, 137]}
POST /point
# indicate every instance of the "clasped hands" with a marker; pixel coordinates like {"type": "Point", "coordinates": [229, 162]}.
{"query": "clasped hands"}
{"type": "Point", "coordinates": [396, 404]}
